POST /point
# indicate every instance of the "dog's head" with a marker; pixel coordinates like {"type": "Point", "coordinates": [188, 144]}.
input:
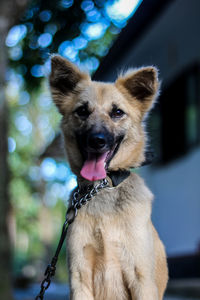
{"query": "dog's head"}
{"type": "Point", "coordinates": [102, 122]}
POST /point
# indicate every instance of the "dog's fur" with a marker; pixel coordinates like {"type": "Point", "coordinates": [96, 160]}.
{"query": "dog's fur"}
{"type": "Point", "coordinates": [114, 250]}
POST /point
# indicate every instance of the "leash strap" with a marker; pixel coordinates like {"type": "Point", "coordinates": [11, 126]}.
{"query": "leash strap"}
{"type": "Point", "coordinates": [79, 199]}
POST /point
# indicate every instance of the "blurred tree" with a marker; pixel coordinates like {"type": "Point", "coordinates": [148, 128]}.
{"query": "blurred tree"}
{"type": "Point", "coordinates": [10, 11]}
{"type": "Point", "coordinates": [82, 31]}
{"type": "Point", "coordinates": [79, 30]}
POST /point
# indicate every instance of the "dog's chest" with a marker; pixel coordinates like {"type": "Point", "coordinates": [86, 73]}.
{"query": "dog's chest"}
{"type": "Point", "coordinates": [115, 219]}
{"type": "Point", "coordinates": [108, 249]}
{"type": "Point", "coordinates": [109, 236]}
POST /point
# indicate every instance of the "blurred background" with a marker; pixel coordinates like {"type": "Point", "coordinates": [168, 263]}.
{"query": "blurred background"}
{"type": "Point", "coordinates": [101, 37]}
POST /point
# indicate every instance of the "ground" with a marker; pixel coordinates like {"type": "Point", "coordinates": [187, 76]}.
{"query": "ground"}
{"type": "Point", "coordinates": [61, 291]}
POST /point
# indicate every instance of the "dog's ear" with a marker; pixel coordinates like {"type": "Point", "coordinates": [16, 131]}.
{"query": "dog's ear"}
{"type": "Point", "coordinates": [141, 86]}
{"type": "Point", "coordinates": [63, 79]}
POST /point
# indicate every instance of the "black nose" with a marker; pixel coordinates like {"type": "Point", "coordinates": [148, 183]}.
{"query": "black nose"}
{"type": "Point", "coordinates": [96, 141]}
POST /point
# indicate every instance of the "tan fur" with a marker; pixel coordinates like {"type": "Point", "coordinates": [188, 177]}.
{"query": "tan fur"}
{"type": "Point", "coordinates": [114, 250]}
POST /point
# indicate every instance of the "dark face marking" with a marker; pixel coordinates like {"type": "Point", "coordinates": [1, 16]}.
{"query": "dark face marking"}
{"type": "Point", "coordinates": [118, 141]}
{"type": "Point", "coordinates": [98, 142]}
{"type": "Point", "coordinates": [95, 141]}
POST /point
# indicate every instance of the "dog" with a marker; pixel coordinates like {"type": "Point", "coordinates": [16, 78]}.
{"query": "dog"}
{"type": "Point", "coordinates": [114, 250]}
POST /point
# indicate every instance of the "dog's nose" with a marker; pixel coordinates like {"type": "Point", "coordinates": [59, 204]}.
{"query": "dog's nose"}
{"type": "Point", "coordinates": [96, 141]}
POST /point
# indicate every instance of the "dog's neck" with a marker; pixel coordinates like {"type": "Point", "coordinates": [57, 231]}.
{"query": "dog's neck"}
{"type": "Point", "coordinates": [114, 178]}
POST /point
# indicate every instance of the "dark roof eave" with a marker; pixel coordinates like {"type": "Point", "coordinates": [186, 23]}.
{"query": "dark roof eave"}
{"type": "Point", "coordinates": [146, 13]}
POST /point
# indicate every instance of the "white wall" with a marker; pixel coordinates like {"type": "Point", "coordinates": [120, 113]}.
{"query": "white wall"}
{"type": "Point", "coordinates": [172, 43]}
{"type": "Point", "coordinates": [176, 208]}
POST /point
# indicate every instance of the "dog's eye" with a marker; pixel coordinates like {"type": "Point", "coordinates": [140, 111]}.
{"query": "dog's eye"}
{"type": "Point", "coordinates": [82, 112]}
{"type": "Point", "coordinates": [117, 113]}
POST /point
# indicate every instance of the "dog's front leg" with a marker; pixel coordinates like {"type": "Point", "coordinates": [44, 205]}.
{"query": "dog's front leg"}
{"type": "Point", "coordinates": [141, 283]}
{"type": "Point", "coordinates": [80, 286]}
{"type": "Point", "coordinates": [143, 290]}
{"type": "Point", "coordinates": [80, 259]}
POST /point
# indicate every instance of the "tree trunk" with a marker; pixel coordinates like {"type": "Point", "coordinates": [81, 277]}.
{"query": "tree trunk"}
{"type": "Point", "coordinates": [10, 11]}
{"type": "Point", "coordinates": [5, 249]}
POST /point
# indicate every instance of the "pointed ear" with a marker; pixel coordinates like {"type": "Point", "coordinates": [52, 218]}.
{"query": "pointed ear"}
{"type": "Point", "coordinates": [141, 85]}
{"type": "Point", "coordinates": [63, 79]}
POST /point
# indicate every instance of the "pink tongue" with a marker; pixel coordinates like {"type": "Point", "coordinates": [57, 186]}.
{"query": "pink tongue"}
{"type": "Point", "coordinates": [93, 168]}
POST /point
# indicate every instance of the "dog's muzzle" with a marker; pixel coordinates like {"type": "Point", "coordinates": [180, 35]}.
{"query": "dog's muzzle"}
{"type": "Point", "coordinates": [97, 149]}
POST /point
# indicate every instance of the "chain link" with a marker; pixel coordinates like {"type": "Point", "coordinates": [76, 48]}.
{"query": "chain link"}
{"type": "Point", "coordinates": [79, 199]}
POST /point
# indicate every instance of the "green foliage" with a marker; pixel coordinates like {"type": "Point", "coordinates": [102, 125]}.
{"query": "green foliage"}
{"type": "Point", "coordinates": [82, 32]}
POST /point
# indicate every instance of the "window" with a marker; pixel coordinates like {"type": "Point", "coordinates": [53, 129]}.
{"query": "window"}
{"type": "Point", "coordinates": [175, 122]}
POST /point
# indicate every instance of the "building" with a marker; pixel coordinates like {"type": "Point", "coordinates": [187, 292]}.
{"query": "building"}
{"type": "Point", "coordinates": [166, 34]}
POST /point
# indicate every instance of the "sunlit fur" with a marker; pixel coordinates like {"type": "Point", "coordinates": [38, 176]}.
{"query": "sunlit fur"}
{"type": "Point", "coordinates": [114, 250]}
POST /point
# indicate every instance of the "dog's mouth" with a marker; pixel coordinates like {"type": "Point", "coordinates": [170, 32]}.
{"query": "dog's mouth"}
{"type": "Point", "coordinates": [96, 164]}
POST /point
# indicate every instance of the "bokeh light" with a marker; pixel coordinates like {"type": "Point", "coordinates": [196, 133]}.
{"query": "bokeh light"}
{"type": "Point", "coordinates": [23, 124]}
{"type": "Point", "coordinates": [94, 31]}
{"type": "Point", "coordinates": [37, 71]}
{"type": "Point", "coordinates": [87, 5]}
{"type": "Point", "coordinates": [48, 169]}
{"type": "Point", "coordinates": [45, 40]}
{"type": "Point", "coordinates": [24, 98]}
{"type": "Point", "coordinates": [45, 15]}
{"type": "Point", "coordinates": [80, 43]}
{"type": "Point", "coordinates": [68, 50]}
{"type": "Point", "coordinates": [16, 53]}
{"type": "Point", "coordinates": [119, 11]}
{"type": "Point", "coordinates": [11, 144]}
{"type": "Point", "coordinates": [66, 3]}
{"type": "Point", "coordinates": [16, 34]}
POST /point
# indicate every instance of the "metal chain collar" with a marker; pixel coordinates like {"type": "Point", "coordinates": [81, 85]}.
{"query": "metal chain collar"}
{"type": "Point", "coordinates": [79, 199]}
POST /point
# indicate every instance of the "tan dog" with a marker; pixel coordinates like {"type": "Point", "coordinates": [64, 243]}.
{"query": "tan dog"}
{"type": "Point", "coordinates": [114, 251]}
